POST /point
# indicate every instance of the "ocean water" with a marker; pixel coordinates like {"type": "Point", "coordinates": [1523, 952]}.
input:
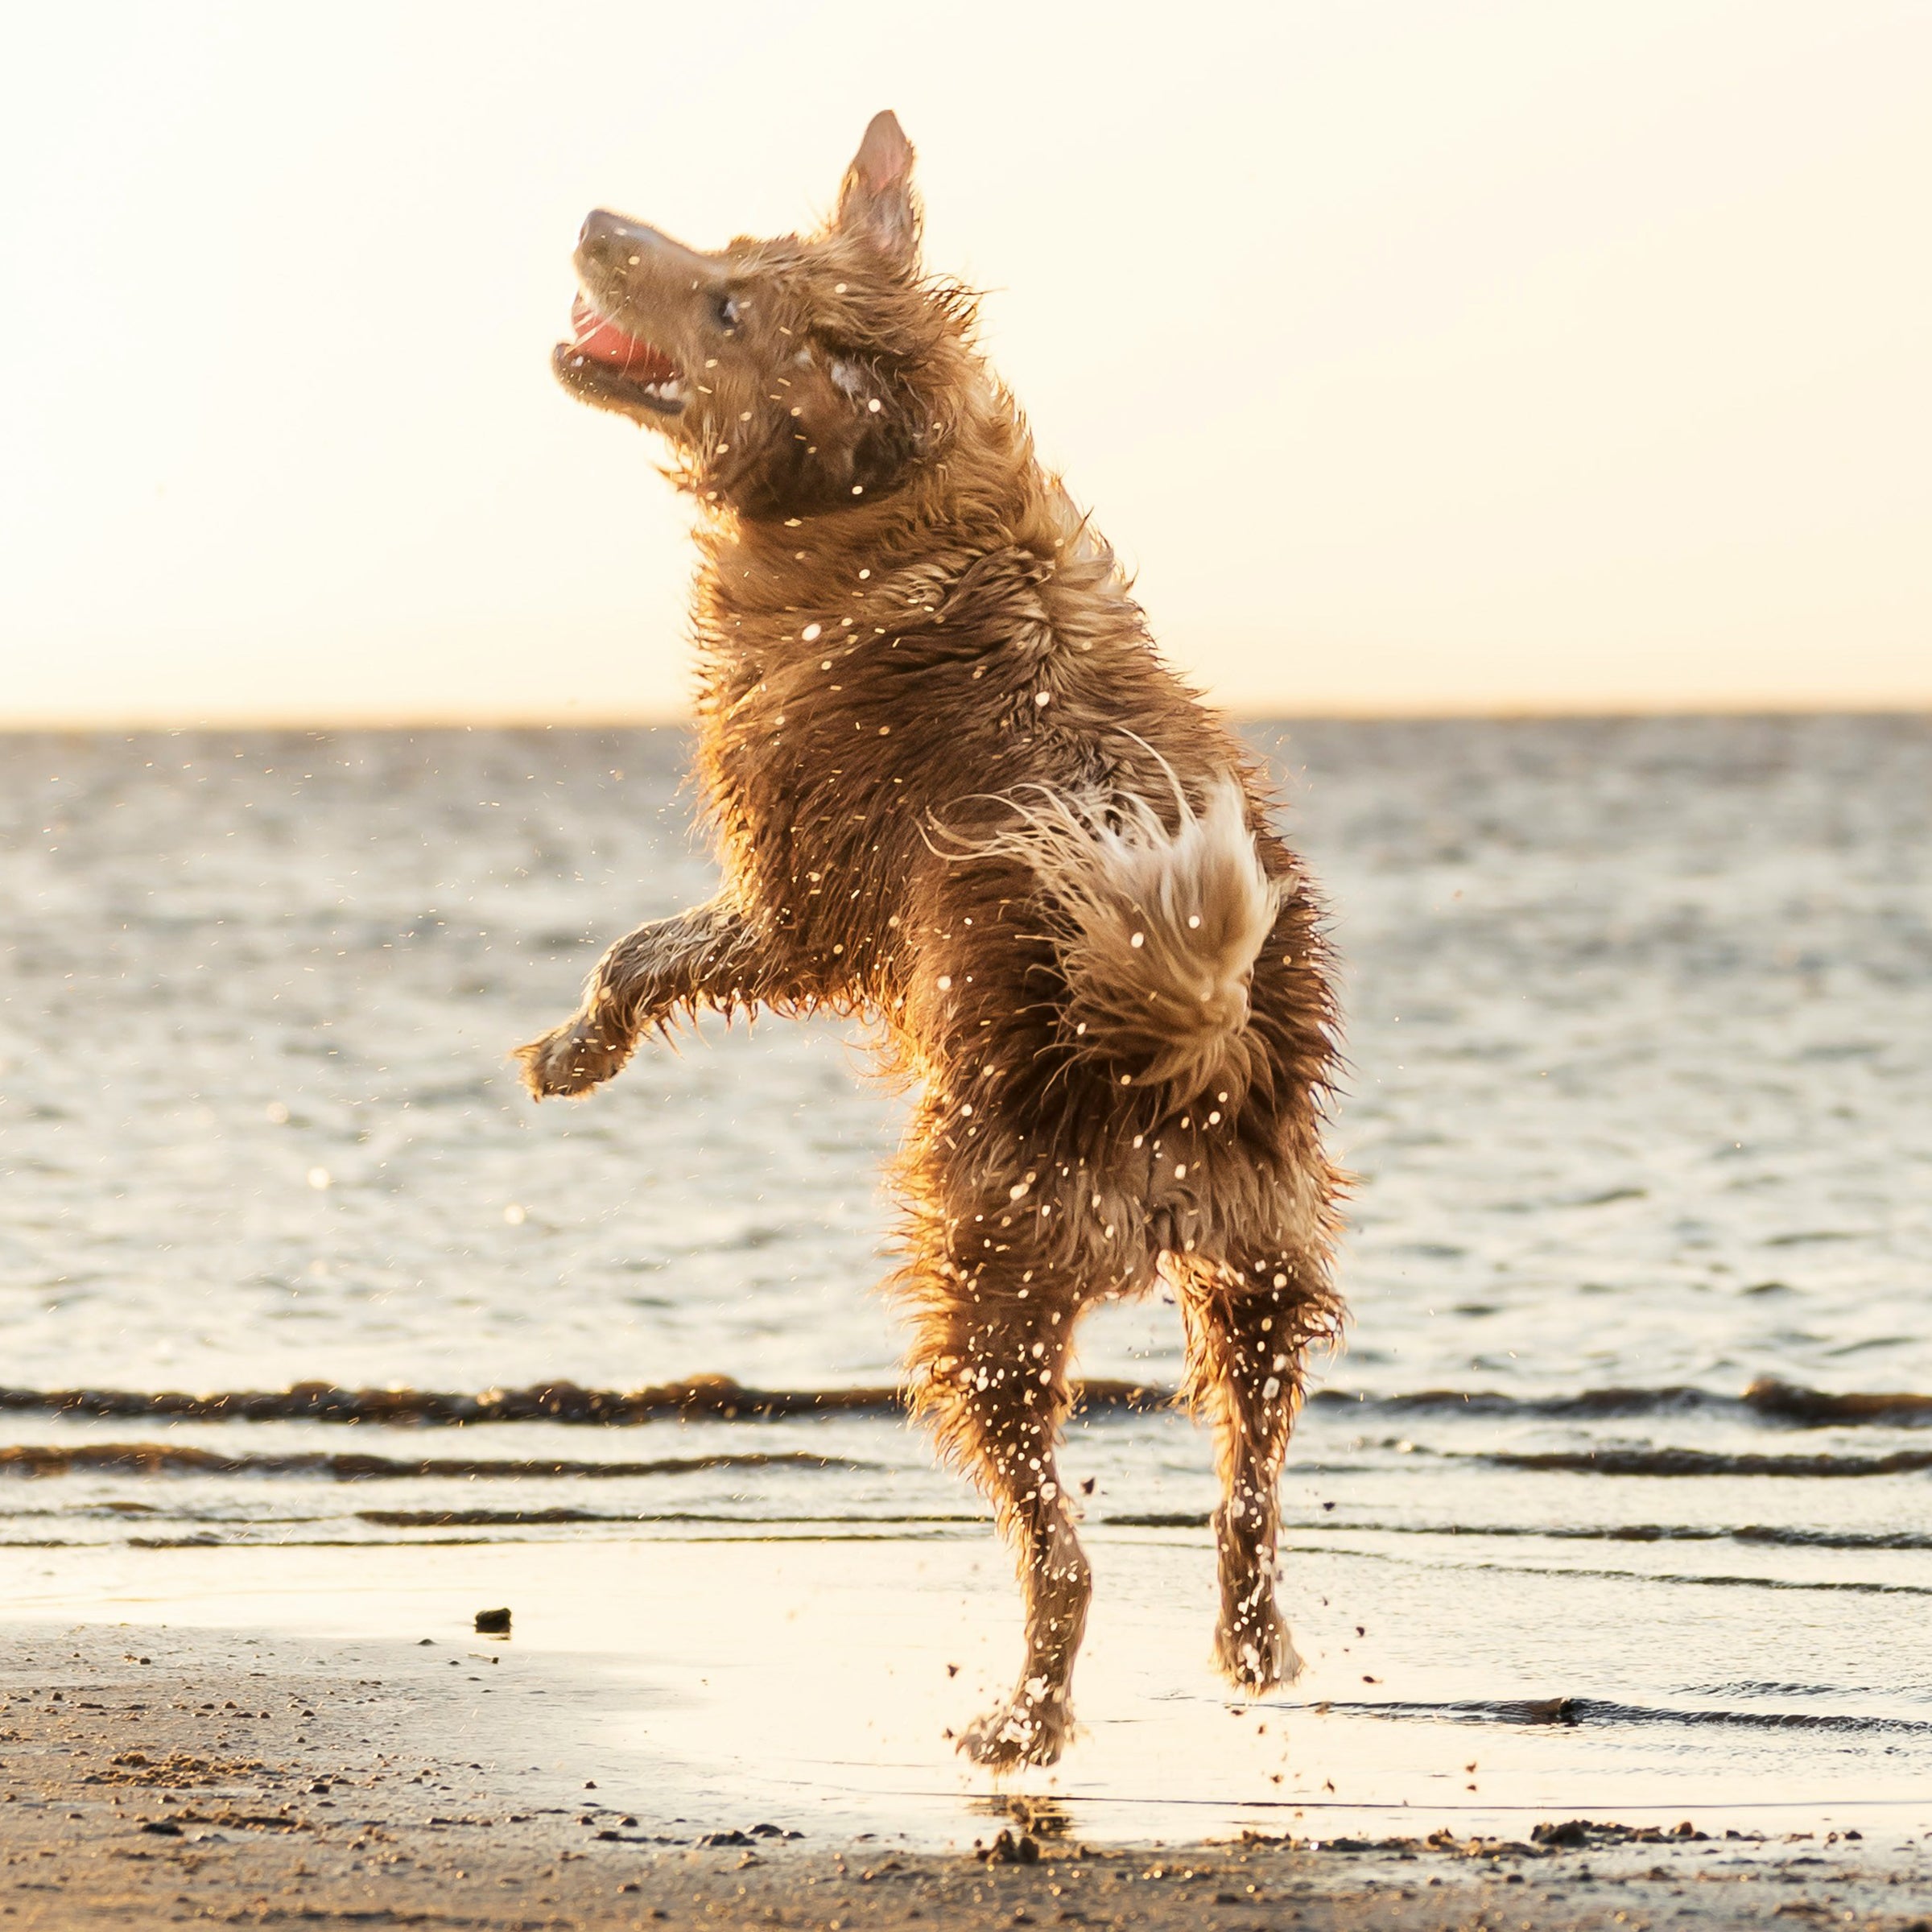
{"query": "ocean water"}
{"type": "Point", "coordinates": [1640, 1097]}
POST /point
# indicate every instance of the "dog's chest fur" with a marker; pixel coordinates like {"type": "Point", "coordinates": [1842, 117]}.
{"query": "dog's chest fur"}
{"type": "Point", "coordinates": [846, 726]}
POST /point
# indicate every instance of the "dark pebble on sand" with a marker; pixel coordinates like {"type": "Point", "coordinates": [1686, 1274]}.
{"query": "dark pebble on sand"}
{"type": "Point", "coordinates": [1573, 1831]}
{"type": "Point", "coordinates": [492, 1622]}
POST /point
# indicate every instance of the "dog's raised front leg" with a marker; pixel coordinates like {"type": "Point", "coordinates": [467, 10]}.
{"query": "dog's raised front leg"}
{"type": "Point", "coordinates": [709, 956]}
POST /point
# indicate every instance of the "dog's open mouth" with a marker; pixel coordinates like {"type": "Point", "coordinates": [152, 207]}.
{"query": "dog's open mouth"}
{"type": "Point", "coordinates": [601, 358]}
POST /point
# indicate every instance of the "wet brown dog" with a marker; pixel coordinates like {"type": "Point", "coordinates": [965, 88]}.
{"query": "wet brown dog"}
{"type": "Point", "coordinates": [956, 790]}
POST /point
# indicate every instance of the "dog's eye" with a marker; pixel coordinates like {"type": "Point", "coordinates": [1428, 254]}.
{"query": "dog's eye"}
{"type": "Point", "coordinates": [727, 312]}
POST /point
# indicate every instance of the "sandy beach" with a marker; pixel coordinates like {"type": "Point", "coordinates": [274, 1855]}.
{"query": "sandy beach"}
{"type": "Point", "coordinates": [153, 1776]}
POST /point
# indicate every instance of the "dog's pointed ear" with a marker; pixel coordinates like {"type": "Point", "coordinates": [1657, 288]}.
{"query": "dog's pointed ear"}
{"type": "Point", "coordinates": [876, 203]}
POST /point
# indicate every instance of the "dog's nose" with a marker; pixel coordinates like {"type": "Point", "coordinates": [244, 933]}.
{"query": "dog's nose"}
{"type": "Point", "coordinates": [604, 236]}
{"type": "Point", "coordinates": [609, 241]}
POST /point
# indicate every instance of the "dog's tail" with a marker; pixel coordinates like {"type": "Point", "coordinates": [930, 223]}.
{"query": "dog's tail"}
{"type": "Point", "coordinates": [1156, 931]}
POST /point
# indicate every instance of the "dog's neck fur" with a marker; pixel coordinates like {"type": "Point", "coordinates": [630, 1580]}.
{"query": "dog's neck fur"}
{"type": "Point", "coordinates": [977, 489]}
{"type": "Point", "coordinates": [979, 494]}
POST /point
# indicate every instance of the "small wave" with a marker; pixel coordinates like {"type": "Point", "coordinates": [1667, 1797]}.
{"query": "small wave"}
{"type": "Point", "coordinates": [1833, 1539]}
{"type": "Point", "coordinates": [522, 1519]}
{"type": "Point", "coordinates": [719, 1398]}
{"type": "Point", "coordinates": [1813, 1584]}
{"type": "Point", "coordinates": [485, 1519]}
{"type": "Point", "coordinates": [696, 1397]}
{"type": "Point", "coordinates": [1647, 1578]}
{"type": "Point", "coordinates": [1816, 1407]}
{"type": "Point", "coordinates": [1706, 1462]}
{"type": "Point", "coordinates": [1590, 1402]}
{"type": "Point", "coordinates": [1569, 1710]}
{"type": "Point", "coordinates": [1777, 1535]}
{"type": "Point", "coordinates": [1767, 1398]}
{"type": "Point", "coordinates": [163, 1459]}
{"type": "Point", "coordinates": [1751, 1687]}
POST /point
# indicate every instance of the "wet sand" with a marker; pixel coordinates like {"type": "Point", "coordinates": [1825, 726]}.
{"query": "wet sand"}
{"type": "Point", "coordinates": [153, 1776]}
{"type": "Point", "coordinates": [811, 1676]}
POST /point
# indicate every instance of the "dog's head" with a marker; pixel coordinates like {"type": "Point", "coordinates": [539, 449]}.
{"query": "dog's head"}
{"type": "Point", "coordinates": [792, 376]}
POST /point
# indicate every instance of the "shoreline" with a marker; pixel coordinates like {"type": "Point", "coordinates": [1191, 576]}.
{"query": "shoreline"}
{"type": "Point", "coordinates": [812, 1674]}
{"type": "Point", "coordinates": [150, 1775]}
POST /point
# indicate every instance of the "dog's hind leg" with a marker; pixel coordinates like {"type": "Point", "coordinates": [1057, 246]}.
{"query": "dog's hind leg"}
{"type": "Point", "coordinates": [1008, 1400]}
{"type": "Point", "coordinates": [1250, 1323]}
{"type": "Point", "coordinates": [989, 1378]}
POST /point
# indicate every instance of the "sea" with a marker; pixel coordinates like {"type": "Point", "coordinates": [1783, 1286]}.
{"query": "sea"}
{"type": "Point", "coordinates": [1617, 1495]}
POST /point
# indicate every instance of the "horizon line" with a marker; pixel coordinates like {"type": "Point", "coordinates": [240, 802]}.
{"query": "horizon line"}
{"type": "Point", "coordinates": [70, 724]}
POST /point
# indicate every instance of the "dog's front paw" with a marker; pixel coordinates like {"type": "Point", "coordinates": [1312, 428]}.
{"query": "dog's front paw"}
{"type": "Point", "coordinates": [1253, 1650]}
{"type": "Point", "coordinates": [1028, 1728]}
{"type": "Point", "coordinates": [571, 1059]}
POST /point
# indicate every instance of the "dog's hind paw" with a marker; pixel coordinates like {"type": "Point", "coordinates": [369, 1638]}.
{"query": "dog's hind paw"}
{"type": "Point", "coordinates": [1024, 1730]}
{"type": "Point", "coordinates": [570, 1058]}
{"type": "Point", "coordinates": [1256, 1654]}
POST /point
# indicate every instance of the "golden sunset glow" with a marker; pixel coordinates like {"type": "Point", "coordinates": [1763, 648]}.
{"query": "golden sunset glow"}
{"type": "Point", "coordinates": [1419, 358]}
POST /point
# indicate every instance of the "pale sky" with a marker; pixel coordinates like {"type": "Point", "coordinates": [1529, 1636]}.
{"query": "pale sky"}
{"type": "Point", "coordinates": [1566, 354]}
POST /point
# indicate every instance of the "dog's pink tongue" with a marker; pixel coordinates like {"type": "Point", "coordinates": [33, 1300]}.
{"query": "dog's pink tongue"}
{"type": "Point", "coordinates": [603, 341]}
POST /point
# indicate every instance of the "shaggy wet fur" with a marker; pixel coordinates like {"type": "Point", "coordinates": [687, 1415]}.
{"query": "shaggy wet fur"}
{"type": "Point", "coordinates": [956, 790]}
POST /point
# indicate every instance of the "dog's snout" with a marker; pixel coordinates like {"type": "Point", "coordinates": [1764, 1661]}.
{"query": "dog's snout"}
{"type": "Point", "coordinates": [609, 242]}
{"type": "Point", "coordinates": [606, 237]}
